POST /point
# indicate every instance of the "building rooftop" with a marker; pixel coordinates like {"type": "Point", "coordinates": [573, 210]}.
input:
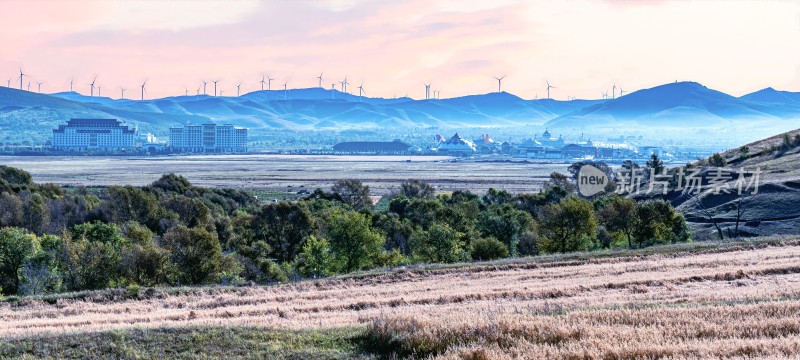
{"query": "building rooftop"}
{"type": "Point", "coordinates": [373, 146]}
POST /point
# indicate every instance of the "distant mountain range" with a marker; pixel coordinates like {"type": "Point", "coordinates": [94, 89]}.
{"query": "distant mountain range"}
{"type": "Point", "coordinates": [674, 104]}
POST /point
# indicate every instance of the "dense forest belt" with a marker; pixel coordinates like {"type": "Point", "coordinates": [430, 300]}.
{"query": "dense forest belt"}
{"type": "Point", "coordinates": [736, 277]}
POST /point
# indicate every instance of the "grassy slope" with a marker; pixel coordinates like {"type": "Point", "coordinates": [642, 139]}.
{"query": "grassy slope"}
{"type": "Point", "coordinates": [368, 341]}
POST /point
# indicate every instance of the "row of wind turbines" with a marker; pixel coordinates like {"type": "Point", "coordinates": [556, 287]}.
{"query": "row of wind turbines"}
{"type": "Point", "coordinates": [267, 80]}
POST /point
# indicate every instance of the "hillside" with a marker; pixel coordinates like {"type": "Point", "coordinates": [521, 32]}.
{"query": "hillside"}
{"type": "Point", "coordinates": [772, 210]}
{"type": "Point", "coordinates": [698, 300]}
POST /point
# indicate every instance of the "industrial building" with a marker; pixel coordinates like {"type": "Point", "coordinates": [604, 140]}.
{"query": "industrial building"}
{"type": "Point", "coordinates": [101, 135]}
{"type": "Point", "coordinates": [395, 147]}
{"type": "Point", "coordinates": [208, 138]}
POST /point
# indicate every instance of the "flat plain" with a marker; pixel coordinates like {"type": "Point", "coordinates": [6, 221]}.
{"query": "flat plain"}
{"type": "Point", "coordinates": [289, 173]}
{"type": "Point", "coordinates": [681, 301]}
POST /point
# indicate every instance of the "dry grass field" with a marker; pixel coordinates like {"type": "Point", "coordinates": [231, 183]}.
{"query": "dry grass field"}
{"type": "Point", "coordinates": [683, 301]}
{"type": "Point", "coordinates": [288, 173]}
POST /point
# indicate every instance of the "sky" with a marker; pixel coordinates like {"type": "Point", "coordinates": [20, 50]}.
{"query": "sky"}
{"type": "Point", "coordinates": [393, 47]}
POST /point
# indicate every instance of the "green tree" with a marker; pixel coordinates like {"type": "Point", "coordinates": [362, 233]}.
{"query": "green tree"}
{"type": "Point", "coordinates": [191, 212]}
{"type": "Point", "coordinates": [659, 222]}
{"type": "Point", "coordinates": [488, 249]}
{"type": "Point", "coordinates": [506, 224]}
{"type": "Point", "coordinates": [98, 232]}
{"type": "Point", "coordinates": [717, 160]}
{"type": "Point", "coordinates": [16, 246]}
{"type": "Point", "coordinates": [416, 189]}
{"type": "Point", "coordinates": [620, 215]}
{"type": "Point", "coordinates": [353, 193]}
{"type": "Point", "coordinates": [315, 258]}
{"type": "Point", "coordinates": [283, 227]}
{"type": "Point", "coordinates": [196, 253]}
{"type": "Point", "coordinates": [146, 264]}
{"type": "Point", "coordinates": [655, 164]}
{"type": "Point", "coordinates": [569, 225]}
{"type": "Point", "coordinates": [440, 243]}
{"type": "Point", "coordinates": [354, 244]}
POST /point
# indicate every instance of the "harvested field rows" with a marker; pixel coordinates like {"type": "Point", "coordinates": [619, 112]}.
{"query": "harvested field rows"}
{"type": "Point", "coordinates": [740, 276]}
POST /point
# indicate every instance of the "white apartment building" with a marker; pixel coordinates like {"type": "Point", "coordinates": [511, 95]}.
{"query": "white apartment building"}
{"type": "Point", "coordinates": [208, 138]}
{"type": "Point", "coordinates": [93, 135]}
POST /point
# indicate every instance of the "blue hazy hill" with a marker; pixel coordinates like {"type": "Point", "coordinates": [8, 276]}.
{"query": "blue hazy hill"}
{"type": "Point", "coordinates": [772, 96]}
{"type": "Point", "coordinates": [674, 104]}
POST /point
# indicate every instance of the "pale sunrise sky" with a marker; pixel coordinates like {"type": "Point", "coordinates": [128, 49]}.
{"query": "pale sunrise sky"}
{"type": "Point", "coordinates": [393, 47]}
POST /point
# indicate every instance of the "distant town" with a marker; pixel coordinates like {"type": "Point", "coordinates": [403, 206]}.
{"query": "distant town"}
{"type": "Point", "coordinates": [113, 137]}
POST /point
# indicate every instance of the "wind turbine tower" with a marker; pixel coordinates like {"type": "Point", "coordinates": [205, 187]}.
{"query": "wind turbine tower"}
{"type": "Point", "coordinates": [361, 90]}
{"type": "Point", "coordinates": [143, 90]}
{"type": "Point", "coordinates": [215, 87]}
{"type": "Point", "coordinates": [21, 74]}
{"type": "Point", "coordinates": [237, 89]}
{"type": "Point", "coordinates": [122, 93]}
{"type": "Point", "coordinates": [548, 88]}
{"type": "Point", "coordinates": [621, 92]}
{"type": "Point", "coordinates": [499, 82]}
{"type": "Point", "coordinates": [320, 79]}
{"type": "Point", "coordinates": [204, 87]}
{"type": "Point", "coordinates": [262, 82]}
{"type": "Point", "coordinates": [40, 87]}
{"type": "Point", "coordinates": [285, 91]}
{"type": "Point", "coordinates": [269, 82]}
{"type": "Point", "coordinates": [427, 91]}
{"type": "Point", "coordinates": [614, 90]}
{"type": "Point", "coordinates": [91, 93]}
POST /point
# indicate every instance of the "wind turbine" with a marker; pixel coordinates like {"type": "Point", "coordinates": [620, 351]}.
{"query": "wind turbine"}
{"type": "Point", "coordinates": [91, 94]}
{"type": "Point", "coordinates": [320, 79]}
{"type": "Point", "coordinates": [344, 85]}
{"type": "Point", "coordinates": [98, 90]}
{"type": "Point", "coordinates": [361, 90]}
{"type": "Point", "coordinates": [40, 87]}
{"type": "Point", "coordinates": [143, 90]}
{"type": "Point", "coordinates": [427, 91]}
{"type": "Point", "coordinates": [269, 82]}
{"type": "Point", "coordinates": [605, 94]}
{"type": "Point", "coordinates": [204, 87]}
{"type": "Point", "coordinates": [198, 91]}
{"type": "Point", "coordinates": [621, 92]}
{"type": "Point", "coordinates": [548, 88]}
{"type": "Point", "coordinates": [333, 90]}
{"type": "Point", "coordinates": [70, 84]}
{"type": "Point", "coordinates": [614, 90]}
{"type": "Point", "coordinates": [8, 85]}
{"type": "Point", "coordinates": [122, 93]}
{"type": "Point", "coordinates": [21, 74]}
{"type": "Point", "coordinates": [262, 82]}
{"type": "Point", "coordinates": [237, 89]}
{"type": "Point", "coordinates": [29, 85]}
{"type": "Point", "coordinates": [215, 86]}
{"type": "Point", "coordinates": [284, 89]}
{"type": "Point", "coordinates": [187, 92]}
{"type": "Point", "coordinates": [499, 82]}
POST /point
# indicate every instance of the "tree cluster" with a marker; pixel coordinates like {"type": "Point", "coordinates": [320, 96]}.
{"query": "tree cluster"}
{"type": "Point", "coordinates": [173, 233]}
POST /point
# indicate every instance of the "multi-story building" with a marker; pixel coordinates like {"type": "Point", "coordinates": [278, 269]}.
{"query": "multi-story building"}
{"type": "Point", "coordinates": [208, 138]}
{"type": "Point", "coordinates": [104, 135]}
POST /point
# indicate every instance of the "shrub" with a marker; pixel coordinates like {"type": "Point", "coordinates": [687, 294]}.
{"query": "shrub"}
{"type": "Point", "coordinates": [717, 160]}
{"type": "Point", "coordinates": [744, 152]}
{"type": "Point", "coordinates": [488, 249]}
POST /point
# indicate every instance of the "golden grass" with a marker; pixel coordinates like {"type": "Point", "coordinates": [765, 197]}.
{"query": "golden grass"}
{"type": "Point", "coordinates": [734, 302]}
